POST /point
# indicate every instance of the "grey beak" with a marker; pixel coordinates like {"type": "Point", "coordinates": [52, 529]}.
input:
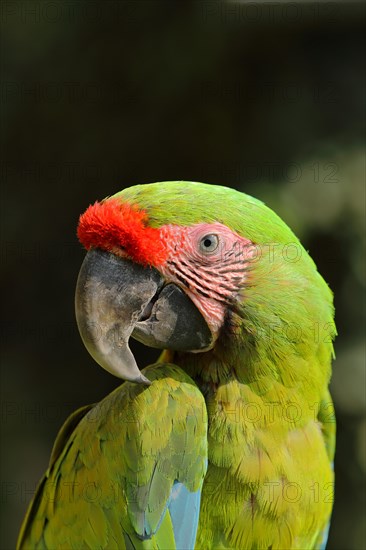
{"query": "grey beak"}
{"type": "Point", "coordinates": [116, 298]}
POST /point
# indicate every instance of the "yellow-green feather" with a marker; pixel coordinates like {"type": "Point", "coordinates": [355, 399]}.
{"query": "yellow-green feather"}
{"type": "Point", "coordinates": [112, 472]}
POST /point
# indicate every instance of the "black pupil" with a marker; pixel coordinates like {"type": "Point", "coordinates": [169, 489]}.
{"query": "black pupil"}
{"type": "Point", "coordinates": [207, 243]}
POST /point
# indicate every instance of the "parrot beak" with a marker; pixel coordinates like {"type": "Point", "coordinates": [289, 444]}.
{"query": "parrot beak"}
{"type": "Point", "coordinates": [117, 298]}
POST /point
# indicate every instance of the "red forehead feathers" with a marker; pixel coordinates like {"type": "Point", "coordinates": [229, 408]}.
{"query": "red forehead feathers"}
{"type": "Point", "coordinates": [111, 225]}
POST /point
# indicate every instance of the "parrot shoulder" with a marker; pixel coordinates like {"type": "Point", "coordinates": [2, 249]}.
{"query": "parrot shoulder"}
{"type": "Point", "coordinates": [122, 471]}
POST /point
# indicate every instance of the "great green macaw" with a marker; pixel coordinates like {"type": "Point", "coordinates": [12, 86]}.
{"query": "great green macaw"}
{"type": "Point", "coordinates": [227, 441]}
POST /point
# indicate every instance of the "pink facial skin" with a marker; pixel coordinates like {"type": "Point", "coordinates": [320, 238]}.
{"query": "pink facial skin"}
{"type": "Point", "coordinates": [208, 261]}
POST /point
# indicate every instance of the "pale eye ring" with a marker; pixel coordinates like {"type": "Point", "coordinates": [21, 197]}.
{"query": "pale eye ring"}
{"type": "Point", "coordinates": [209, 243]}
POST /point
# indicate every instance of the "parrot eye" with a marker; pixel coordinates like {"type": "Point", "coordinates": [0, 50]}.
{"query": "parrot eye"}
{"type": "Point", "coordinates": [209, 243]}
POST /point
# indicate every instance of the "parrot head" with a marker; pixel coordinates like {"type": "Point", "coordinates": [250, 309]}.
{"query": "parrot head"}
{"type": "Point", "coordinates": [193, 268]}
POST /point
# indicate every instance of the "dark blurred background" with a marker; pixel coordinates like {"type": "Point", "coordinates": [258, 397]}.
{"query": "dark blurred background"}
{"type": "Point", "coordinates": [264, 97]}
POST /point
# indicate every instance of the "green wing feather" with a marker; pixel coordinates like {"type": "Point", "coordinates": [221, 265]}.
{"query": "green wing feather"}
{"type": "Point", "coordinates": [114, 464]}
